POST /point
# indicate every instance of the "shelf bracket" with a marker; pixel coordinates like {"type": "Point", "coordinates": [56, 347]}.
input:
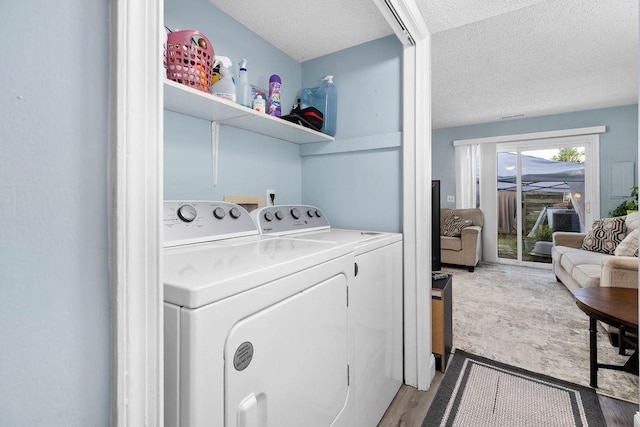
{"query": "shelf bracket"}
{"type": "Point", "coordinates": [215, 131]}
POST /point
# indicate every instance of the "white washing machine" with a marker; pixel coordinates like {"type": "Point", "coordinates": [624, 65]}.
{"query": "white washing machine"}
{"type": "Point", "coordinates": [375, 301]}
{"type": "Point", "coordinates": [256, 327]}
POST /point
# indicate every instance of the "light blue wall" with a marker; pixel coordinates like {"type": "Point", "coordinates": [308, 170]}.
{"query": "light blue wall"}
{"type": "Point", "coordinates": [249, 163]}
{"type": "Point", "coordinates": [232, 39]}
{"type": "Point", "coordinates": [357, 179]}
{"type": "Point", "coordinates": [618, 144]}
{"type": "Point", "coordinates": [54, 284]}
{"type": "Point", "coordinates": [351, 185]}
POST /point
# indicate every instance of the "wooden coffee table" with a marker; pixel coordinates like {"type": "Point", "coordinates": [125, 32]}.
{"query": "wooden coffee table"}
{"type": "Point", "coordinates": [616, 307]}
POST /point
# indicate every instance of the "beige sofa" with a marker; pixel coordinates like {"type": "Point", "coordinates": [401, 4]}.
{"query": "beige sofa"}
{"type": "Point", "coordinates": [465, 250]}
{"type": "Point", "coordinates": [579, 268]}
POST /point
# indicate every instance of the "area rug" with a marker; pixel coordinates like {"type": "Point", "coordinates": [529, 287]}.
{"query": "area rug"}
{"type": "Point", "coordinates": [523, 317]}
{"type": "Point", "coordinates": [477, 391]}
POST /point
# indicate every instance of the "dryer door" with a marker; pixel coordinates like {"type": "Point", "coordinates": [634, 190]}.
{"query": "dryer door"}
{"type": "Point", "coordinates": [286, 365]}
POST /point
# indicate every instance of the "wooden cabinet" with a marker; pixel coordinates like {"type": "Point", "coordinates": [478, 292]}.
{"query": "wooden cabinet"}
{"type": "Point", "coordinates": [441, 321]}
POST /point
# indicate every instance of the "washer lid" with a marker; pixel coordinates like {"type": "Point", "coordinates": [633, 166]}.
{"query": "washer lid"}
{"type": "Point", "coordinates": [196, 275]}
{"type": "Point", "coordinates": [363, 241]}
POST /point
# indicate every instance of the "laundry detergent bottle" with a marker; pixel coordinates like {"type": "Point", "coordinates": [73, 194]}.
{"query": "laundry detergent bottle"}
{"type": "Point", "coordinates": [325, 99]}
{"type": "Point", "coordinates": [243, 88]}
{"type": "Point", "coordinates": [275, 86]}
{"type": "Point", "coordinates": [223, 84]}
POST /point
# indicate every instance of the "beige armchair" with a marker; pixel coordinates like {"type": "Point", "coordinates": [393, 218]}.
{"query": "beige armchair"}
{"type": "Point", "coordinates": [465, 249]}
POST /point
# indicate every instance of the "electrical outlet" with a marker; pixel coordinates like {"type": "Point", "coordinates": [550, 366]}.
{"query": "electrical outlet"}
{"type": "Point", "coordinates": [451, 199]}
{"type": "Point", "coordinates": [271, 197]}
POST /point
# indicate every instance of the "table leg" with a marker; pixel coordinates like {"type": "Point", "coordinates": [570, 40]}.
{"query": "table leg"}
{"type": "Point", "coordinates": [593, 352]}
{"type": "Point", "coordinates": [621, 341]}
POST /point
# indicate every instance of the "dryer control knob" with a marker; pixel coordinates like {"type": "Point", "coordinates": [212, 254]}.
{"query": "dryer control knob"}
{"type": "Point", "coordinates": [235, 213]}
{"type": "Point", "coordinates": [310, 213]}
{"type": "Point", "coordinates": [187, 213]}
{"type": "Point", "coordinates": [318, 213]}
{"type": "Point", "coordinates": [279, 215]}
{"type": "Point", "coordinates": [268, 216]}
{"type": "Point", "coordinates": [295, 213]}
{"type": "Point", "coordinates": [219, 213]}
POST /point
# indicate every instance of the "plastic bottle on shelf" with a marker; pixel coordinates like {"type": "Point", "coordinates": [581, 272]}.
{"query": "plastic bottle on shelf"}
{"type": "Point", "coordinates": [243, 88]}
{"type": "Point", "coordinates": [223, 84]}
{"type": "Point", "coordinates": [275, 106]}
{"type": "Point", "coordinates": [325, 99]}
{"type": "Point", "coordinates": [259, 103]}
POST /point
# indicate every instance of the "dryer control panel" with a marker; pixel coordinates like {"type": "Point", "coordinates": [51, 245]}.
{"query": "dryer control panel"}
{"type": "Point", "coordinates": [187, 222]}
{"type": "Point", "coordinates": [286, 219]}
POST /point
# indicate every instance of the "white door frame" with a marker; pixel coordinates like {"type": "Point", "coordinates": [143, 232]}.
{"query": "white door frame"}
{"type": "Point", "coordinates": [406, 20]}
{"type": "Point", "coordinates": [135, 202]}
{"type": "Point", "coordinates": [136, 194]}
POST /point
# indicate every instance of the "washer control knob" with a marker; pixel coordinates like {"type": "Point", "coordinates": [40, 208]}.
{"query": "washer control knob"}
{"type": "Point", "coordinates": [268, 216]}
{"type": "Point", "coordinates": [187, 213]}
{"type": "Point", "coordinates": [279, 215]}
{"type": "Point", "coordinates": [219, 213]}
{"type": "Point", "coordinates": [295, 213]}
{"type": "Point", "coordinates": [235, 213]}
{"type": "Point", "coordinates": [310, 213]}
{"type": "Point", "coordinates": [318, 213]}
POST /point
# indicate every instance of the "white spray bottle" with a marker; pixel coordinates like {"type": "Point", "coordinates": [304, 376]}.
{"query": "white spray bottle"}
{"type": "Point", "coordinates": [243, 89]}
{"type": "Point", "coordinates": [223, 84]}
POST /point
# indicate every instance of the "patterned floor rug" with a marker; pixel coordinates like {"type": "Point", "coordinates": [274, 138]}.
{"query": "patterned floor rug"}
{"type": "Point", "coordinates": [523, 317]}
{"type": "Point", "coordinates": [480, 392]}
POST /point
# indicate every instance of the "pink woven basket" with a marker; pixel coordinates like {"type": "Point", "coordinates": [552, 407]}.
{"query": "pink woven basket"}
{"type": "Point", "coordinates": [190, 59]}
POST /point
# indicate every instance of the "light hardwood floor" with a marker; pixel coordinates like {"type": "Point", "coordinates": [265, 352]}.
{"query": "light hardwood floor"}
{"type": "Point", "coordinates": [410, 406]}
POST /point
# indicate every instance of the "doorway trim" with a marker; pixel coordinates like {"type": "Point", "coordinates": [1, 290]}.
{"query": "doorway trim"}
{"type": "Point", "coordinates": [135, 205]}
{"type": "Point", "coordinates": [136, 192]}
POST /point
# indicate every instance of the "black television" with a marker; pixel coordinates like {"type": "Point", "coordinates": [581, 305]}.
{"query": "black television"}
{"type": "Point", "coordinates": [435, 225]}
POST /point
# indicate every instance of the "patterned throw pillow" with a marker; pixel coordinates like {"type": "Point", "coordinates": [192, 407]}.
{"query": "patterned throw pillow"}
{"type": "Point", "coordinates": [629, 246]}
{"type": "Point", "coordinates": [453, 225]}
{"type": "Point", "coordinates": [605, 235]}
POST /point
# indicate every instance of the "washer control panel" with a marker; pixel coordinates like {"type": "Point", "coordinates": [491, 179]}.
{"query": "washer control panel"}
{"type": "Point", "coordinates": [287, 219]}
{"type": "Point", "coordinates": [186, 222]}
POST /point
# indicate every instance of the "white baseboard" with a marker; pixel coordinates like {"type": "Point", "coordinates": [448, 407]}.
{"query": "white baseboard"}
{"type": "Point", "coordinates": [636, 420]}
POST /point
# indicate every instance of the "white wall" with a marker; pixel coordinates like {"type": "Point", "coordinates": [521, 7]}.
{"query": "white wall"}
{"type": "Point", "coordinates": [54, 320]}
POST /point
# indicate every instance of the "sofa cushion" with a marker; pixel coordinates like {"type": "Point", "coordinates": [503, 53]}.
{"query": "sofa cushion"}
{"type": "Point", "coordinates": [587, 275]}
{"type": "Point", "coordinates": [577, 257]}
{"type": "Point", "coordinates": [453, 225]}
{"type": "Point", "coordinates": [631, 221]}
{"type": "Point", "coordinates": [451, 243]}
{"type": "Point", "coordinates": [605, 235]}
{"type": "Point", "coordinates": [629, 245]}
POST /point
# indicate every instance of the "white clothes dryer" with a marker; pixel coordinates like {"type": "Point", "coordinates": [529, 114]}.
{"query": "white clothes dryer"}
{"type": "Point", "coordinates": [256, 327]}
{"type": "Point", "coordinates": [375, 301]}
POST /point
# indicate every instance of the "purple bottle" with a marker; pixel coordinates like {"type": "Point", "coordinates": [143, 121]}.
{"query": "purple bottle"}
{"type": "Point", "coordinates": [273, 104]}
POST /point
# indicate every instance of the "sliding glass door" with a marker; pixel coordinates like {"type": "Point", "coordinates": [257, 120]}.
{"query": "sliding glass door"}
{"type": "Point", "coordinates": [541, 188]}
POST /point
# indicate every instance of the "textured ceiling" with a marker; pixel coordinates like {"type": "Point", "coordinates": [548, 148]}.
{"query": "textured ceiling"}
{"type": "Point", "coordinates": [491, 59]}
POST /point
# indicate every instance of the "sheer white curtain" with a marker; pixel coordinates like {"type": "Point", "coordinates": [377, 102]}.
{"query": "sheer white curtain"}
{"type": "Point", "coordinates": [476, 161]}
{"type": "Point", "coordinates": [467, 173]}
